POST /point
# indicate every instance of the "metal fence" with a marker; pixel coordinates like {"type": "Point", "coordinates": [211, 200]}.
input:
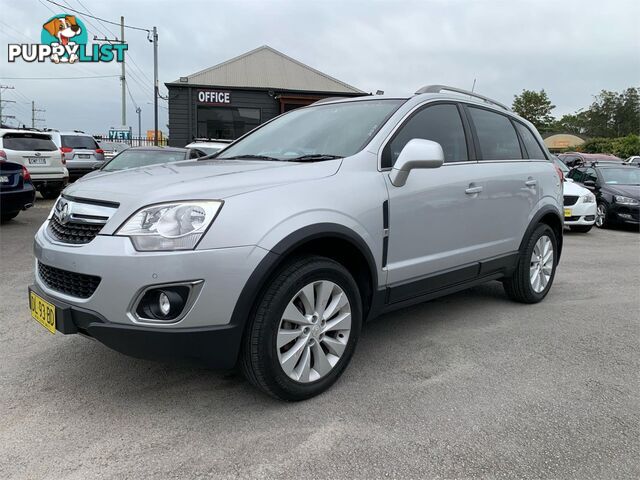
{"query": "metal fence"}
{"type": "Point", "coordinates": [135, 141]}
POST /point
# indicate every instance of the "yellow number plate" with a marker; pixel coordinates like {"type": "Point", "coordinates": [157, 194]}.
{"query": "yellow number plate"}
{"type": "Point", "coordinates": [43, 312]}
{"type": "Point", "coordinates": [567, 212]}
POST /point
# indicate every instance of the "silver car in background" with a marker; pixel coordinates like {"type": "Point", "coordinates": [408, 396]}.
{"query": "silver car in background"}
{"type": "Point", "coordinates": [81, 152]}
{"type": "Point", "coordinates": [273, 254]}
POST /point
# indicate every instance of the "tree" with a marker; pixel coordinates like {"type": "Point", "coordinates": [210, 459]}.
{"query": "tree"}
{"type": "Point", "coordinates": [535, 107]}
{"type": "Point", "coordinates": [614, 114]}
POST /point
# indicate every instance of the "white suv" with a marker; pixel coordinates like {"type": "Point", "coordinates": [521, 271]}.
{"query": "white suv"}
{"type": "Point", "coordinates": [37, 152]}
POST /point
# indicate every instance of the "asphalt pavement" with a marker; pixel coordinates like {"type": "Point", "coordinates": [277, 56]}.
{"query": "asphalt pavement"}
{"type": "Point", "coordinates": [467, 386]}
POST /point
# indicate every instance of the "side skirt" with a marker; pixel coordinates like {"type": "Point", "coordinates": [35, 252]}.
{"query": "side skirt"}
{"type": "Point", "coordinates": [442, 283]}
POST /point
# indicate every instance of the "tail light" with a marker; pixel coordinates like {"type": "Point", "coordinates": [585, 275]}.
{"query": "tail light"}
{"type": "Point", "coordinates": [26, 176]}
{"type": "Point", "coordinates": [559, 172]}
{"type": "Point", "coordinates": [3, 156]}
{"type": "Point", "coordinates": [66, 149]}
{"type": "Point", "coordinates": [99, 150]}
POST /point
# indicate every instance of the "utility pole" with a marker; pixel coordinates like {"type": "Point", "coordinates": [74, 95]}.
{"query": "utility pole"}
{"type": "Point", "coordinates": [139, 111]}
{"type": "Point", "coordinates": [34, 110]}
{"type": "Point", "coordinates": [155, 86]}
{"type": "Point", "coordinates": [123, 75]}
{"type": "Point", "coordinates": [123, 78]}
{"type": "Point", "coordinates": [5, 87]}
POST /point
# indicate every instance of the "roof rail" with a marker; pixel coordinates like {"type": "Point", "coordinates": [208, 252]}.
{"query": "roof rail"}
{"type": "Point", "coordinates": [440, 88]}
{"type": "Point", "coordinates": [328, 99]}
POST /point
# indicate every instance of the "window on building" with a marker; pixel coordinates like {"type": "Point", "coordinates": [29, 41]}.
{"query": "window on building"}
{"type": "Point", "coordinates": [226, 123]}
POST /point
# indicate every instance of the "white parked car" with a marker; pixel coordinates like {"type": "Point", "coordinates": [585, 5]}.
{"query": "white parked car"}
{"type": "Point", "coordinates": [40, 155]}
{"type": "Point", "coordinates": [579, 203]}
{"type": "Point", "coordinates": [634, 160]}
{"type": "Point", "coordinates": [209, 146]}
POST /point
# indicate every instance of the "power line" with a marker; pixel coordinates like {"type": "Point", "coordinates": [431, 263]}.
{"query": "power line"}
{"type": "Point", "coordinates": [58, 78]}
{"type": "Point", "coordinates": [97, 18]}
{"type": "Point", "coordinates": [48, 7]}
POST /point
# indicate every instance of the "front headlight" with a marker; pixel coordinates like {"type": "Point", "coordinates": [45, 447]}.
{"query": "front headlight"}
{"type": "Point", "coordinates": [626, 200]}
{"type": "Point", "coordinates": [588, 198]}
{"type": "Point", "coordinates": [170, 226]}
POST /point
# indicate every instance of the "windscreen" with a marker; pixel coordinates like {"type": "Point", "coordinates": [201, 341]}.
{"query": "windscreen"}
{"type": "Point", "coordinates": [340, 129]}
{"type": "Point", "coordinates": [621, 176]}
{"type": "Point", "coordinates": [28, 142]}
{"type": "Point", "coordinates": [79, 141]}
{"type": "Point", "coordinates": [141, 158]}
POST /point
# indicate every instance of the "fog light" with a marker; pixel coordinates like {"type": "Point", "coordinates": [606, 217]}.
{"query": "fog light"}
{"type": "Point", "coordinates": [165, 303]}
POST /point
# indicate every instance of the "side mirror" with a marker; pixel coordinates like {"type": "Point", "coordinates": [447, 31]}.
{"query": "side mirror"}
{"type": "Point", "coordinates": [417, 153]}
{"type": "Point", "coordinates": [589, 184]}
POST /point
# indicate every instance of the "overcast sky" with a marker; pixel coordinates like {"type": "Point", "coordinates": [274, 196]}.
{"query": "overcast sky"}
{"type": "Point", "coordinates": [572, 49]}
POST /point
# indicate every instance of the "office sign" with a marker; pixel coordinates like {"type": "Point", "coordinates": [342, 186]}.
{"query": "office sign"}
{"type": "Point", "coordinates": [213, 97]}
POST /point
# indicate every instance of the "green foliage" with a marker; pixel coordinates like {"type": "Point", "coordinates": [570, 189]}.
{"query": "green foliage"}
{"type": "Point", "coordinates": [622, 147]}
{"type": "Point", "coordinates": [535, 107]}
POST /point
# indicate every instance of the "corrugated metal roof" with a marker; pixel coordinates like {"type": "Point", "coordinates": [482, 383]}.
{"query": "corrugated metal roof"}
{"type": "Point", "coordinates": [266, 67]}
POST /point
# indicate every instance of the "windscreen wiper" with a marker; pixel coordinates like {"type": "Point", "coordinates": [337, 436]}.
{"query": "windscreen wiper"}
{"type": "Point", "coordinates": [251, 157]}
{"type": "Point", "coordinates": [315, 157]}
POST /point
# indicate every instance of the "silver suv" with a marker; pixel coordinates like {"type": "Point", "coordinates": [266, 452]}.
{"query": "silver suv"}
{"type": "Point", "coordinates": [81, 152]}
{"type": "Point", "coordinates": [272, 254]}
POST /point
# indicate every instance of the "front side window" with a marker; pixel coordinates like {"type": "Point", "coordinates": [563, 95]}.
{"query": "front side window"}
{"type": "Point", "coordinates": [530, 143]}
{"type": "Point", "coordinates": [440, 123]}
{"type": "Point", "coordinates": [497, 137]}
{"type": "Point", "coordinates": [338, 130]}
{"type": "Point", "coordinates": [576, 174]}
{"type": "Point", "coordinates": [590, 174]}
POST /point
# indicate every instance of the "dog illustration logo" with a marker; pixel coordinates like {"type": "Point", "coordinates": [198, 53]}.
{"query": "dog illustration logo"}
{"type": "Point", "coordinates": [64, 30]}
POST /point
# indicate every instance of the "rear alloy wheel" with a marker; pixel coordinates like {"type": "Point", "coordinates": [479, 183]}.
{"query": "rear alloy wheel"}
{"type": "Point", "coordinates": [304, 329]}
{"type": "Point", "coordinates": [536, 267]}
{"type": "Point", "coordinates": [601, 216]}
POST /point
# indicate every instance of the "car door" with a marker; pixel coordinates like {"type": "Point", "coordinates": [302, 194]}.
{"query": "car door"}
{"type": "Point", "coordinates": [432, 218]}
{"type": "Point", "coordinates": [510, 182]}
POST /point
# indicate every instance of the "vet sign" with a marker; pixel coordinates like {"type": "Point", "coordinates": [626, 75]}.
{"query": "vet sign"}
{"type": "Point", "coordinates": [119, 134]}
{"type": "Point", "coordinates": [213, 97]}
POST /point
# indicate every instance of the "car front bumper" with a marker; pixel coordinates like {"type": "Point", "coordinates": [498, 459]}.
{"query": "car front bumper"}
{"type": "Point", "coordinates": [216, 346]}
{"type": "Point", "coordinates": [627, 214]}
{"type": "Point", "coordinates": [125, 273]}
{"type": "Point", "coordinates": [580, 214]}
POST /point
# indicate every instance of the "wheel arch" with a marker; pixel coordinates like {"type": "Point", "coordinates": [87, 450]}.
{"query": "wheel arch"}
{"type": "Point", "coordinates": [326, 239]}
{"type": "Point", "coordinates": [547, 215]}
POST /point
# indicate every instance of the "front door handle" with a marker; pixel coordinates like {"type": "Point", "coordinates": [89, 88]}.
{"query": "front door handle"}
{"type": "Point", "coordinates": [473, 189]}
{"type": "Point", "coordinates": [531, 182]}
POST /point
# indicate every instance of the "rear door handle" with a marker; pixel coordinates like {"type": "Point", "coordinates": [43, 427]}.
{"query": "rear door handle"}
{"type": "Point", "coordinates": [473, 189]}
{"type": "Point", "coordinates": [531, 182]}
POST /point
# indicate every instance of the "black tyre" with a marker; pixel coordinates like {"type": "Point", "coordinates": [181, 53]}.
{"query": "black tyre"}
{"type": "Point", "coordinates": [536, 267]}
{"type": "Point", "coordinates": [602, 216]}
{"type": "Point", "coordinates": [50, 193]}
{"type": "Point", "coordinates": [304, 329]}
{"type": "Point", "coordinates": [581, 228]}
{"type": "Point", "coordinates": [5, 217]}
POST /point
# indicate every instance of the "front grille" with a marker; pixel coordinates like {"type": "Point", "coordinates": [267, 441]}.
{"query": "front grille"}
{"type": "Point", "coordinates": [69, 283]}
{"type": "Point", "coordinates": [72, 232]}
{"type": "Point", "coordinates": [570, 200]}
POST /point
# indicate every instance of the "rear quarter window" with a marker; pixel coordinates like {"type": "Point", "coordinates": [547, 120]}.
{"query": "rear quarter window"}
{"type": "Point", "coordinates": [28, 142]}
{"type": "Point", "coordinates": [531, 145]}
{"type": "Point", "coordinates": [79, 141]}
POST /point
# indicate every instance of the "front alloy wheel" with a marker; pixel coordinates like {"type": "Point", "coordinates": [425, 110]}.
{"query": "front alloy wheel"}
{"type": "Point", "coordinates": [304, 329]}
{"type": "Point", "coordinates": [314, 331]}
{"type": "Point", "coordinates": [601, 216]}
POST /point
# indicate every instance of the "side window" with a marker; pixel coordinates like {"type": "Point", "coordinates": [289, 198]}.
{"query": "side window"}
{"type": "Point", "coordinates": [497, 137]}
{"type": "Point", "coordinates": [576, 174]}
{"type": "Point", "coordinates": [590, 174]}
{"type": "Point", "coordinates": [530, 143]}
{"type": "Point", "coordinates": [439, 123]}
